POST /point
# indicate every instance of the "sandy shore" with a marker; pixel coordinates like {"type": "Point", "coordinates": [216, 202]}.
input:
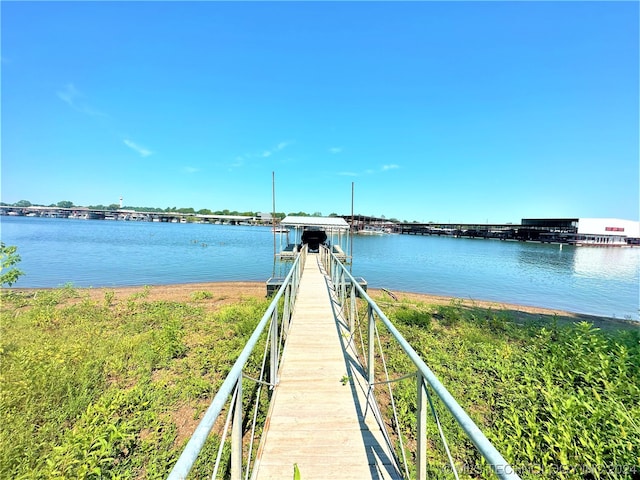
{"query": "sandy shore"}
{"type": "Point", "coordinates": [221, 293]}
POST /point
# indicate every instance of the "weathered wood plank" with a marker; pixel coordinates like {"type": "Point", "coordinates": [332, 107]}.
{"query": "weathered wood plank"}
{"type": "Point", "coordinates": [317, 414]}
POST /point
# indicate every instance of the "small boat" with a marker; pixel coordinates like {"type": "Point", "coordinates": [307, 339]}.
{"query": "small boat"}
{"type": "Point", "coordinates": [371, 230]}
{"type": "Point", "coordinates": [314, 236]}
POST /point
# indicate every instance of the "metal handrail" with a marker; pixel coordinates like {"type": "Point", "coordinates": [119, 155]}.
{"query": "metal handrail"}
{"type": "Point", "coordinates": [288, 290]}
{"type": "Point", "coordinates": [347, 287]}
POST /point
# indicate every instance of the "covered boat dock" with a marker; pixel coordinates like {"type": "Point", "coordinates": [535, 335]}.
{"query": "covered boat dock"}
{"type": "Point", "coordinates": [332, 232]}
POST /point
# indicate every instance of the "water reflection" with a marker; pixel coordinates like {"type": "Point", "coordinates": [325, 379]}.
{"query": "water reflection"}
{"type": "Point", "coordinates": [593, 262]}
{"type": "Point", "coordinates": [546, 257]}
{"type": "Point", "coordinates": [610, 263]}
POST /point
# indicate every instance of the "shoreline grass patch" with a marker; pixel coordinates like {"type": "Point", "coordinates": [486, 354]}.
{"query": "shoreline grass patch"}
{"type": "Point", "coordinates": [559, 400]}
{"type": "Point", "coordinates": [90, 389]}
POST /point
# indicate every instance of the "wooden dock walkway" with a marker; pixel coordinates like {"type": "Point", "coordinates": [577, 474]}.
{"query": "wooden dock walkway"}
{"type": "Point", "coordinates": [319, 417]}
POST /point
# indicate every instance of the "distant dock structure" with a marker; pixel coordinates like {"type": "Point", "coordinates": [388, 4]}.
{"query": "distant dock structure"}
{"type": "Point", "coordinates": [601, 232]}
{"type": "Point", "coordinates": [607, 232]}
{"type": "Point", "coordinates": [85, 213]}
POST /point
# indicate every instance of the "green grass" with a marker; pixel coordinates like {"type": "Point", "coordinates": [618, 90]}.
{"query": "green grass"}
{"type": "Point", "coordinates": [557, 399]}
{"type": "Point", "coordinates": [92, 389]}
{"type": "Point", "coordinates": [114, 388]}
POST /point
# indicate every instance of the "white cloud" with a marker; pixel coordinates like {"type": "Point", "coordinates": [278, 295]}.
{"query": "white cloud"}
{"type": "Point", "coordinates": [75, 99]}
{"type": "Point", "coordinates": [190, 169]}
{"type": "Point", "coordinates": [335, 150]}
{"type": "Point", "coordinates": [237, 162]}
{"type": "Point", "coordinates": [242, 159]}
{"type": "Point", "coordinates": [142, 151]}
{"type": "Point", "coordinates": [69, 94]}
{"type": "Point", "coordinates": [277, 148]}
{"type": "Point", "coordinates": [369, 171]}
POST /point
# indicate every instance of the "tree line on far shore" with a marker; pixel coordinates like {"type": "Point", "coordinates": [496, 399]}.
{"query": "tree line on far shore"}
{"type": "Point", "coordinates": [202, 211]}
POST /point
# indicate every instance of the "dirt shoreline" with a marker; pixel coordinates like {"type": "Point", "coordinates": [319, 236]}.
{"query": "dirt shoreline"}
{"type": "Point", "coordinates": [222, 293]}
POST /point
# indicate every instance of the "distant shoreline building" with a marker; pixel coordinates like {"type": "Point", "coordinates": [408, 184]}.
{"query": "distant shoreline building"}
{"type": "Point", "coordinates": [603, 232]}
{"type": "Point", "coordinates": [587, 231]}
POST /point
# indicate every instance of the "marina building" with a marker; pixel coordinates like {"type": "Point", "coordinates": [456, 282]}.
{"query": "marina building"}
{"type": "Point", "coordinates": [607, 231]}
{"type": "Point", "coordinates": [612, 232]}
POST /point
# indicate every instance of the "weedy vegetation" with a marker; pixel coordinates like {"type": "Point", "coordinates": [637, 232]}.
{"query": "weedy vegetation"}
{"type": "Point", "coordinates": [113, 388]}
{"type": "Point", "coordinates": [9, 258]}
{"type": "Point", "coordinates": [201, 295]}
{"type": "Point", "coordinates": [559, 399]}
{"type": "Point", "coordinates": [110, 388]}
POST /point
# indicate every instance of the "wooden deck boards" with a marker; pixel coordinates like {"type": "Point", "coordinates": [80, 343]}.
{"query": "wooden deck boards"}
{"type": "Point", "coordinates": [316, 421]}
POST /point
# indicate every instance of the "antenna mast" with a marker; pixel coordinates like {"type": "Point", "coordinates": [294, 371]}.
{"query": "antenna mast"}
{"type": "Point", "coordinates": [351, 228]}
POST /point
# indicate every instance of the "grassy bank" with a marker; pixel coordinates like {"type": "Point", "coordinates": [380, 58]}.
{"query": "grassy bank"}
{"type": "Point", "coordinates": [558, 399]}
{"type": "Point", "coordinates": [110, 388]}
{"type": "Point", "coordinates": [106, 385]}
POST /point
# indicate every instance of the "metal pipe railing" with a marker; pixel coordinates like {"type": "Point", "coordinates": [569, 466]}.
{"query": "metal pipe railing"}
{"type": "Point", "coordinates": [185, 462]}
{"type": "Point", "coordinates": [343, 280]}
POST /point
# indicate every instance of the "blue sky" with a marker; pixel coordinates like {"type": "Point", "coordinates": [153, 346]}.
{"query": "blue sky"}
{"type": "Point", "coordinates": [436, 111]}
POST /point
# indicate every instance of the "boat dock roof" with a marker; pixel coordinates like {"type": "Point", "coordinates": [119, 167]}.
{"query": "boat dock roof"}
{"type": "Point", "coordinates": [327, 223]}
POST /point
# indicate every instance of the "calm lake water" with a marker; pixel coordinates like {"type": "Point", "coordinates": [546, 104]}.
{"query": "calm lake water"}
{"type": "Point", "coordinates": [96, 253]}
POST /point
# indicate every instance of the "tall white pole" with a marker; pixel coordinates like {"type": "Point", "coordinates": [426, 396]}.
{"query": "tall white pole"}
{"type": "Point", "coordinates": [351, 227]}
{"type": "Point", "coordinates": [273, 218]}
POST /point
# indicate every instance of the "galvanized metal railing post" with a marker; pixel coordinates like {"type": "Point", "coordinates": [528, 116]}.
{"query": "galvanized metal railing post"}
{"type": "Point", "coordinates": [421, 430]}
{"type": "Point", "coordinates": [236, 435]}
{"type": "Point", "coordinates": [287, 311]}
{"type": "Point", "coordinates": [372, 343]}
{"type": "Point", "coordinates": [294, 283]}
{"type": "Point", "coordinates": [352, 309]}
{"type": "Point", "coordinates": [334, 275]}
{"type": "Point", "coordinates": [273, 361]}
{"type": "Point", "coordinates": [326, 261]}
